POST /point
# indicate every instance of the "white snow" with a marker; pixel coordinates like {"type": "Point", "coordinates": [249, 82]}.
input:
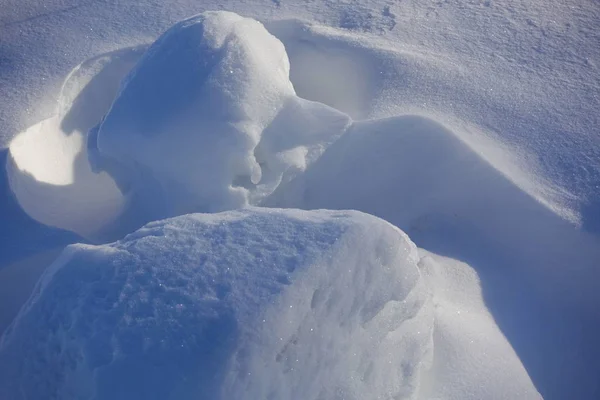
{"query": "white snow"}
{"type": "Point", "coordinates": [487, 157]}
{"type": "Point", "coordinates": [206, 121]}
{"type": "Point", "coordinates": [48, 167]}
{"type": "Point", "coordinates": [538, 271]}
{"type": "Point", "coordinates": [247, 304]}
{"type": "Point", "coordinates": [444, 186]}
{"type": "Point", "coordinates": [468, 363]}
{"type": "Point", "coordinates": [210, 114]}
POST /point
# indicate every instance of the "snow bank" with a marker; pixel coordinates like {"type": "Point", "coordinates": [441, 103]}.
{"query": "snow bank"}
{"type": "Point", "coordinates": [249, 304]}
{"type": "Point", "coordinates": [420, 176]}
{"type": "Point", "coordinates": [209, 119]}
{"type": "Point", "coordinates": [323, 68]}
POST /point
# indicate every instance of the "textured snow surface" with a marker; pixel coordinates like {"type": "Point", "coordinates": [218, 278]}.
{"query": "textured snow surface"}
{"type": "Point", "coordinates": [193, 110]}
{"type": "Point", "coordinates": [539, 273]}
{"type": "Point", "coordinates": [472, 358]}
{"type": "Point", "coordinates": [248, 304]}
{"type": "Point", "coordinates": [522, 72]}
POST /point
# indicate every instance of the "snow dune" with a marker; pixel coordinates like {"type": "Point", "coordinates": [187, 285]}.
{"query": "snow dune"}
{"type": "Point", "coordinates": [266, 303]}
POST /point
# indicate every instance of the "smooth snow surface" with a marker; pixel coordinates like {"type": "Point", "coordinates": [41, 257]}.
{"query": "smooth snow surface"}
{"type": "Point", "coordinates": [251, 304]}
{"type": "Point", "coordinates": [48, 166]}
{"type": "Point", "coordinates": [520, 72]}
{"type": "Point", "coordinates": [472, 359]}
{"type": "Point", "coordinates": [206, 121]}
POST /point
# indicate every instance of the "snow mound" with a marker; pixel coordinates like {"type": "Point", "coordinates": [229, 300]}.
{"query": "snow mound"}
{"type": "Point", "coordinates": [250, 304]}
{"type": "Point", "coordinates": [208, 120]}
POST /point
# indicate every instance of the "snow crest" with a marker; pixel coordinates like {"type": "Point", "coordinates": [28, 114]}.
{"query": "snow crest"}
{"type": "Point", "coordinates": [48, 167]}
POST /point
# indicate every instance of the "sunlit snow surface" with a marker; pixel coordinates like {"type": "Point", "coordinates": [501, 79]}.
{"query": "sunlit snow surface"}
{"type": "Point", "coordinates": [212, 117]}
{"type": "Point", "coordinates": [254, 304]}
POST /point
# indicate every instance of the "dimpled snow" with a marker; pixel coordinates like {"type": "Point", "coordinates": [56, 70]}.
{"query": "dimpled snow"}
{"type": "Point", "coordinates": [252, 304]}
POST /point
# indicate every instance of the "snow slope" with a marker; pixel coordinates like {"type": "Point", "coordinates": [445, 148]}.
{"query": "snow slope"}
{"type": "Point", "coordinates": [248, 304]}
{"type": "Point", "coordinates": [472, 358]}
{"type": "Point", "coordinates": [211, 99]}
{"type": "Point", "coordinates": [48, 167]}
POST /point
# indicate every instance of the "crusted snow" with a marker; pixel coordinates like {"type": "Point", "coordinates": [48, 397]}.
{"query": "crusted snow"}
{"type": "Point", "coordinates": [246, 304]}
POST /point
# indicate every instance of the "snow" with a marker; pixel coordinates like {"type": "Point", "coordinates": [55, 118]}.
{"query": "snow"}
{"type": "Point", "coordinates": [521, 73]}
{"type": "Point", "coordinates": [48, 167]}
{"type": "Point", "coordinates": [206, 121]}
{"type": "Point", "coordinates": [201, 114]}
{"type": "Point", "coordinates": [470, 126]}
{"type": "Point", "coordinates": [246, 304]}
{"type": "Point", "coordinates": [193, 110]}
{"type": "Point", "coordinates": [473, 363]}
{"type": "Point", "coordinates": [536, 268]}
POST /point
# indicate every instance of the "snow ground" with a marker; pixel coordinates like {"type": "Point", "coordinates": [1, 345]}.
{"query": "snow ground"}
{"type": "Point", "coordinates": [508, 183]}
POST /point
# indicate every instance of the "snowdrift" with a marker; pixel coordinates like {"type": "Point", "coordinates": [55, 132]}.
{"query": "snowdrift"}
{"type": "Point", "coordinates": [247, 304]}
{"type": "Point", "coordinates": [251, 304]}
{"type": "Point", "coordinates": [207, 120]}
{"type": "Point", "coordinates": [537, 271]}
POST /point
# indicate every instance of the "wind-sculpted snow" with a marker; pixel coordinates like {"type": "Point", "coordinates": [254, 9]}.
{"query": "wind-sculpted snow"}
{"type": "Point", "coordinates": [249, 304]}
{"type": "Point", "coordinates": [472, 359]}
{"type": "Point", "coordinates": [48, 167]}
{"type": "Point", "coordinates": [210, 116]}
{"type": "Point", "coordinates": [538, 272]}
{"type": "Point", "coordinates": [208, 119]}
